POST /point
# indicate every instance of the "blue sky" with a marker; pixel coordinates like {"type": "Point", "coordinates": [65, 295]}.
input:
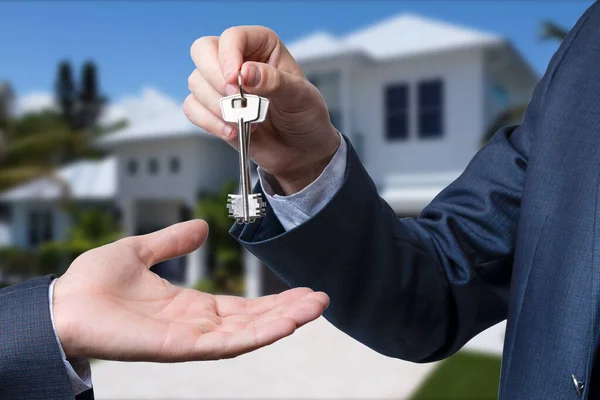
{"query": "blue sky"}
{"type": "Point", "coordinates": [139, 44]}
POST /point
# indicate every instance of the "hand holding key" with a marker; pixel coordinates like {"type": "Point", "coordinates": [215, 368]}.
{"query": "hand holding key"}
{"type": "Point", "coordinates": [244, 110]}
{"type": "Point", "coordinates": [297, 140]}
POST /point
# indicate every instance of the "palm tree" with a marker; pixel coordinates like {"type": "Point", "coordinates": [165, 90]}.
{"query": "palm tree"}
{"type": "Point", "coordinates": [34, 145]}
{"type": "Point", "coordinates": [551, 31]}
{"type": "Point", "coordinates": [514, 115]}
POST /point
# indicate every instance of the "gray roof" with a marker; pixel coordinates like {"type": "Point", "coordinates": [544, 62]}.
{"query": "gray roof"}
{"type": "Point", "coordinates": [167, 126]}
{"type": "Point", "coordinates": [86, 179]}
{"type": "Point", "coordinates": [401, 35]}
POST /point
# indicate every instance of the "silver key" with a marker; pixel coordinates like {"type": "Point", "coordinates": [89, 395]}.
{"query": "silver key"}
{"type": "Point", "coordinates": [244, 109]}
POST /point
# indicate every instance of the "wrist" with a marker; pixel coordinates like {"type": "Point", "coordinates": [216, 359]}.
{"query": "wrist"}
{"type": "Point", "coordinates": [61, 321]}
{"type": "Point", "coordinates": [315, 160]}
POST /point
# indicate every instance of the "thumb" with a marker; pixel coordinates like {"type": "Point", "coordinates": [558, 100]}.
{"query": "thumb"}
{"type": "Point", "coordinates": [174, 241]}
{"type": "Point", "coordinates": [267, 81]}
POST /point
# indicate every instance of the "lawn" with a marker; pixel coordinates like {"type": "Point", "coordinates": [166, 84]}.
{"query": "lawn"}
{"type": "Point", "coordinates": [464, 376]}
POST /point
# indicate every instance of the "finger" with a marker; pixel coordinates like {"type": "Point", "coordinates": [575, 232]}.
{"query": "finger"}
{"type": "Point", "coordinates": [200, 116]}
{"type": "Point", "coordinates": [205, 54]}
{"type": "Point", "coordinates": [302, 311]}
{"type": "Point", "coordinates": [205, 93]}
{"type": "Point", "coordinates": [218, 344]}
{"type": "Point", "coordinates": [231, 305]}
{"type": "Point", "coordinates": [263, 331]}
{"type": "Point", "coordinates": [267, 81]}
{"type": "Point", "coordinates": [245, 42]}
{"type": "Point", "coordinates": [174, 241]}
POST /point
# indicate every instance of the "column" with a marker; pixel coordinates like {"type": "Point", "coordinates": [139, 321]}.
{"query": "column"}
{"type": "Point", "coordinates": [128, 217]}
{"type": "Point", "coordinates": [195, 261]}
{"type": "Point", "coordinates": [196, 266]}
{"type": "Point", "coordinates": [253, 274]}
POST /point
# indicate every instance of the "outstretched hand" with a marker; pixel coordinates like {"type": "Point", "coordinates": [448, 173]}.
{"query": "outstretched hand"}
{"type": "Point", "coordinates": [109, 305]}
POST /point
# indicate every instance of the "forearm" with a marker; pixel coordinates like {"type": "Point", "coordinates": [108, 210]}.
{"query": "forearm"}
{"type": "Point", "coordinates": [416, 289]}
{"type": "Point", "coordinates": [387, 293]}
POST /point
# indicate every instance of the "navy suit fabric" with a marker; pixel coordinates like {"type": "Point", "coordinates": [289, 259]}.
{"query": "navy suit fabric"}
{"type": "Point", "coordinates": [31, 366]}
{"type": "Point", "coordinates": [514, 237]}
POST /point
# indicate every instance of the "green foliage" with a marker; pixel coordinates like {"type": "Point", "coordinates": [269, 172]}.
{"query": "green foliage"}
{"type": "Point", "coordinates": [514, 115]}
{"type": "Point", "coordinates": [55, 257]}
{"type": "Point", "coordinates": [39, 142]}
{"type": "Point", "coordinates": [463, 376]}
{"type": "Point", "coordinates": [207, 286]}
{"type": "Point", "coordinates": [7, 98]}
{"type": "Point", "coordinates": [79, 106]}
{"type": "Point", "coordinates": [551, 31]}
{"type": "Point", "coordinates": [18, 262]}
{"type": "Point", "coordinates": [510, 116]}
{"type": "Point", "coordinates": [33, 145]}
{"type": "Point", "coordinates": [227, 271]}
{"type": "Point", "coordinates": [91, 228]}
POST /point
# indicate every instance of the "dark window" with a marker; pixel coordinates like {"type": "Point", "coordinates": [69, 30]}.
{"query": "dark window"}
{"type": "Point", "coordinates": [396, 111]}
{"type": "Point", "coordinates": [132, 167]}
{"type": "Point", "coordinates": [40, 227]}
{"type": "Point", "coordinates": [174, 165]}
{"type": "Point", "coordinates": [431, 108]}
{"type": "Point", "coordinates": [32, 227]}
{"type": "Point", "coordinates": [47, 228]}
{"type": "Point", "coordinates": [153, 166]}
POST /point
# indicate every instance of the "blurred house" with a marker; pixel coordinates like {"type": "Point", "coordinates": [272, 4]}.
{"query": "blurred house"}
{"type": "Point", "coordinates": [35, 208]}
{"type": "Point", "coordinates": [414, 96]}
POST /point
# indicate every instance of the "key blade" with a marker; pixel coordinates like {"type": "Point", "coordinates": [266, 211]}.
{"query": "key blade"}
{"type": "Point", "coordinates": [257, 207]}
{"type": "Point", "coordinates": [249, 113]}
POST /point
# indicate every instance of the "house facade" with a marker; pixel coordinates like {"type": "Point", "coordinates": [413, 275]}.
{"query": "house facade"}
{"type": "Point", "coordinates": [413, 95]}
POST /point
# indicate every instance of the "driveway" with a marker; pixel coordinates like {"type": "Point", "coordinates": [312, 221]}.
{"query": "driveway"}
{"type": "Point", "coordinates": [317, 362]}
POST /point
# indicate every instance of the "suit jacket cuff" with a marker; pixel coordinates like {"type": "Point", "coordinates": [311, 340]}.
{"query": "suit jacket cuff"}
{"type": "Point", "coordinates": [270, 242]}
{"type": "Point", "coordinates": [31, 366]}
{"type": "Point", "coordinates": [299, 207]}
{"type": "Point", "coordinates": [78, 369]}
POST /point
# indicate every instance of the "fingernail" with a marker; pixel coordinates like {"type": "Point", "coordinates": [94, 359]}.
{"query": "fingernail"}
{"type": "Point", "coordinates": [253, 74]}
{"type": "Point", "coordinates": [227, 70]}
{"type": "Point", "coordinates": [230, 89]}
{"type": "Point", "coordinates": [227, 131]}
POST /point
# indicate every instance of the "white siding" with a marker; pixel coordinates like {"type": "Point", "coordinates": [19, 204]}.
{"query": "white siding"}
{"type": "Point", "coordinates": [462, 73]}
{"type": "Point", "coordinates": [20, 221]}
{"type": "Point", "coordinates": [205, 163]}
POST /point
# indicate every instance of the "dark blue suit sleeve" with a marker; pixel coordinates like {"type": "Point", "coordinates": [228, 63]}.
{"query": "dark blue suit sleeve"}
{"type": "Point", "coordinates": [31, 366]}
{"type": "Point", "coordinates": [416, 289]}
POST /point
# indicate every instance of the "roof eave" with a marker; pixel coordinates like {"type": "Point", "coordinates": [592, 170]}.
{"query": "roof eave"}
{"type": "Point", "coordinates": [341, 56]}
{"type": "Point", "coordinates": [360, 54]}
{"type": "Point", "coordinates": [111, 143]}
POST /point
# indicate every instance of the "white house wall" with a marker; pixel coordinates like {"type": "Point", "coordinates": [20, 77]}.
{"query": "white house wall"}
{"type": "Point", "coordinates": [462, 73]}
{"type": "Point", "coordinates": [20, 224]}
{"type": "Point", "coordinates": [205, 163]}
{"type": "Point", "coordinates": [158, 214]}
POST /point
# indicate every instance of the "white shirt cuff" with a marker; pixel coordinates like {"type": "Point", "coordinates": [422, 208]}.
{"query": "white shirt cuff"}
{"type": "Point", "coordinates": [78, 369]}
{"type": "Point", "coordinates": [298, 208]}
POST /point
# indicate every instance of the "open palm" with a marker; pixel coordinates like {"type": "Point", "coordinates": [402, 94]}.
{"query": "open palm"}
{"type": "Point", "coordinates": [109, 305]}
